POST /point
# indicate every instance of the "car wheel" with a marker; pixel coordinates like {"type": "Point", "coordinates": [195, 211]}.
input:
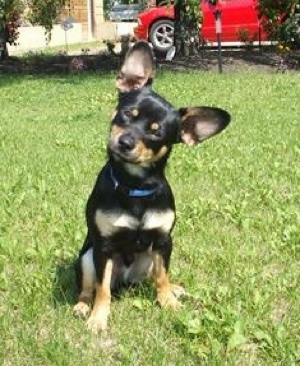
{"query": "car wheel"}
{"type": "Point", "coordinates": [162, 35]}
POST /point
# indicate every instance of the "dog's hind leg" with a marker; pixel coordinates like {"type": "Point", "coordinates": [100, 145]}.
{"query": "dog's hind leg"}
{"type": "Point", "coordinates": [86, 277]}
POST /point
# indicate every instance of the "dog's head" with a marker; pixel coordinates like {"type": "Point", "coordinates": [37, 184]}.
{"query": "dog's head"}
{"type": "Point", "coordinates": [145, 125]}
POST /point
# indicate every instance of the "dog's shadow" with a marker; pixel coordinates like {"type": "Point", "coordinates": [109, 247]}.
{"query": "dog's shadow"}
{"type": "Point", "coordinates": [65, 291]}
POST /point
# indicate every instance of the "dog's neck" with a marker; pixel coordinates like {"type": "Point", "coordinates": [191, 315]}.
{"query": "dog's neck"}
{"type": "Point", "coordinates": [136, 171]}
{"type": "Point", "coordinates": [134, 177]}
{"type": "Point", "coordinates": [129, 191]}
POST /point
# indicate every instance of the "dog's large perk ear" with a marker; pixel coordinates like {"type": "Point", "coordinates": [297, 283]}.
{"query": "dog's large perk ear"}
{"type": "Point", "coordinates": [137, 69]}
{"type": "Point", "coordinates": [200, 123]}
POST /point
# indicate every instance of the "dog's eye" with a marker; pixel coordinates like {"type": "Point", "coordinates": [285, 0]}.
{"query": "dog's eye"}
{"type": "Point", "coordinates": [126, 116]}
{"type": "Point", "coordinates": [155, 129]}
{"type": "Point", "coordinates": [129, 114]}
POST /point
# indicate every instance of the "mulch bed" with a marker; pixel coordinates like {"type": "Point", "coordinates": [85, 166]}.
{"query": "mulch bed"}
{"type": "Point", "coordinates": [238, 60]}
{"type": "Point", "coordinates": [265, 60]}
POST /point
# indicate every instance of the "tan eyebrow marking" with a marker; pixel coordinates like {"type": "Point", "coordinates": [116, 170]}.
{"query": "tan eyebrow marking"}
{"type": "Point", "coordinates": [154, 126]}
{"type": "Point", "coordinates": [135, 112]}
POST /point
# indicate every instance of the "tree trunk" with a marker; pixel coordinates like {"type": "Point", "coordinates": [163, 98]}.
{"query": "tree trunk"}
{"type": "Point", "coordinates": [187, 26]}
{"type": "Point", "coordinates": [3, 44]}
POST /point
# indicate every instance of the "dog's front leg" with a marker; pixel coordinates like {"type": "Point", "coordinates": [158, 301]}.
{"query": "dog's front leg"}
{"type": "Point", "coordinates": [99, 316]}
{"type": "Point", "coordinates": [167, 293]}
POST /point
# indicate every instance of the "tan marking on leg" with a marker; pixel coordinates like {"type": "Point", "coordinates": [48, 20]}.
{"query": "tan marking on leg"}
{"type": "Point", "coordinates": [164, 288]}
{"type": "Point", "coordinates": [98, 318]}
{"type": "Point", "coordinates": [82, 308]}
{"type": "Point", "coordinates": [178, 291]}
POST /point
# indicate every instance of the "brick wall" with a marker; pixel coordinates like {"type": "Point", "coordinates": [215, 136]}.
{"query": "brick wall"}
{"type": "Point", "coordinates": [77, 9]}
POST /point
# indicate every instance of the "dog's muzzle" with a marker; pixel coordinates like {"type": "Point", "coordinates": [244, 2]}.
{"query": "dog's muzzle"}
{"type": "Point", "coordinates": [126, 143]}
{"type": "Point", "coordinates": [123, 146]}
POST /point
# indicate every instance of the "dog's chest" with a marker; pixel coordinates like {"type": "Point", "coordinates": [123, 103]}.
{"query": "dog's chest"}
{"type": "Point", "coordinates": [111, 223]}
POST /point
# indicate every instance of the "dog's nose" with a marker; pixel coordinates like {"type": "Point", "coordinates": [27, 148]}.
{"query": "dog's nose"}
{"type": "Point", "coordinates": [126, 142]}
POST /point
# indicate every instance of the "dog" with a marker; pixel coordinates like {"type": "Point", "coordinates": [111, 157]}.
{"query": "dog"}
{"type": "Point", "coordinates": [131, 211]}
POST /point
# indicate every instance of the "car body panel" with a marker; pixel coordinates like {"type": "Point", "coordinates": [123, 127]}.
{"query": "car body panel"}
{"type": "Point", "coordinates": [240, 21]}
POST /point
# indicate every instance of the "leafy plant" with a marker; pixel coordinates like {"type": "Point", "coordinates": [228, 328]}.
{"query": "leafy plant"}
{"type": "Point", "coordinates": [188, 19]}
{"type": "Point", "coordinates": [125, 42]}
{"type": "Point", "coordinates": [280, 19]}
{"type": "Point", "coordinates": [285, 62]}
{"type": "Point", "coordinates": [44, 13]}
{"type": "Point", "coordinates": [245, 36]}
{"type": "Point", "coordinates": [39, 12]}
{"type": "Point", "coordinates": [9, 22]}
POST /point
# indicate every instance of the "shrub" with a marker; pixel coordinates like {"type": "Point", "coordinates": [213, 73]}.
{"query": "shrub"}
{"type": "Point", "coordinates": [280, 18]}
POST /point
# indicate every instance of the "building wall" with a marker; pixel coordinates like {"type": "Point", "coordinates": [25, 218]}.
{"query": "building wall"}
{"type": "Point", "coordinates": [77, 9]}
{"type": "Point", "coordinates": [92, 22]}
{"type": "Point", "coordinates": [33, 38]}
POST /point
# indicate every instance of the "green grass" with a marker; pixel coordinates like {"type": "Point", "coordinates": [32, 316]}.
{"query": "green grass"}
{"type": "Point", "coordinates": [237, 242]}
{"type": "Point", "coordinates": [53, 50]}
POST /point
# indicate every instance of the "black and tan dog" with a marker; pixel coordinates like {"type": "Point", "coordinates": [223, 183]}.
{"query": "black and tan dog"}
{"type": "Point", "coordinates": [131, 211]}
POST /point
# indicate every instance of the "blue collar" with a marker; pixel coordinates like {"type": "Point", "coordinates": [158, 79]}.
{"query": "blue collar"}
{"type": "Point", "coordinates": [136, 193]}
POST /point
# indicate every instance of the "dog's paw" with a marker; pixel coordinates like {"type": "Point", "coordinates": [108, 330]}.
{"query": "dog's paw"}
{"type": "Point", "coordinates": [98, 320]}
{"type": "Point", "coordinates": [168, 300]}
{"type": "Point", "coordinates": [178, 291]}
{"type": "Point", "coordinates": [81, 310]}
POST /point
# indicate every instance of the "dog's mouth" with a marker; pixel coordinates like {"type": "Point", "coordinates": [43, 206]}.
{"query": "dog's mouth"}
{"type": "Point", "coordinates": [127, 157]}
{"type": "Point", "coordinates": [132, 157]}
{"type": "Point", "coordinates": [126, 148]}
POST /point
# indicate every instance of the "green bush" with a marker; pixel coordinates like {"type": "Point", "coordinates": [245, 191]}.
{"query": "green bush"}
{"type": "Point", "coordinates": [281, 20]}
{"type": "Point", "coordinates": [9, 21]}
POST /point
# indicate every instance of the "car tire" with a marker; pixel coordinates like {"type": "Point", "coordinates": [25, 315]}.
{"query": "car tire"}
{"type": "Point", "coordinates": [161, 35]}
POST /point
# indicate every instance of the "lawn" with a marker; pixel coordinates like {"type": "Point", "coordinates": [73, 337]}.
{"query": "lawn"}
{"type": "Point", "coordinates": [237, 242]}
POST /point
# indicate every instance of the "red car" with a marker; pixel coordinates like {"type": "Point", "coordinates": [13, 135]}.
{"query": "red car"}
{"type": "Point", "coordinates": [240, 23]}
